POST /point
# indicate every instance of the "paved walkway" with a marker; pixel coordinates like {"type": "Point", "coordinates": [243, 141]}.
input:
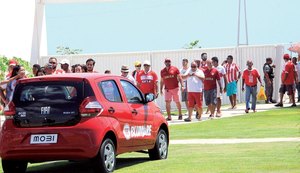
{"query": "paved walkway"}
{"type": "Point", "coordinates": [228, 112]}
{"type": "Point", "coordinates": [233, 141]}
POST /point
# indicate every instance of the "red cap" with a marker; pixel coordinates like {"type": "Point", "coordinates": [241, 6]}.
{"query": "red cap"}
{"type": "Point", "coordinates": [12, 62]}
{"type": "Point", "coordinates": [286, 56]}
{"type": "Point", "coordinates": [167, 59]}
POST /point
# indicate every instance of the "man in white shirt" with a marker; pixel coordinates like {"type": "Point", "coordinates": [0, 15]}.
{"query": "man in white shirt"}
{"type": "Point", "coordinates": [125, 73]}
{"type": "Point", "coordinates": [182, 72]}
{"type": "Point", "coordinates": [194, 77]}
{"type": "Point", "coordinates": [223, 80]}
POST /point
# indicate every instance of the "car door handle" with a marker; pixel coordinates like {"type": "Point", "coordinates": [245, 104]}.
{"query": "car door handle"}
{"type": "Point", "coordinates": [111, 110]}
{"type": "Point", "coordinates": [134, 111]}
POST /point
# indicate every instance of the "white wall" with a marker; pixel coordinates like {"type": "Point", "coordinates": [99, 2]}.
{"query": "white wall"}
{"type": "Point", "coordinates": [114, 61]}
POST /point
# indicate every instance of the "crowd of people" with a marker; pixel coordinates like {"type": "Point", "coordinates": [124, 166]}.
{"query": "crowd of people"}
{"type": "Point", "coordinates": [204, 79]}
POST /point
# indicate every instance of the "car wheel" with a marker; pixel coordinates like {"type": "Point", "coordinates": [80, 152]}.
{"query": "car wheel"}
{"type": "Point", "coordinates": [105, 161]}
{"type": "Point", "coordinates": [14, 166]}
{"type": "Point", "coordinates": [160, 150]}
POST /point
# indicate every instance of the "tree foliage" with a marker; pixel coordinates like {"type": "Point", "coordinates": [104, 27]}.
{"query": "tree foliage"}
{"type": "Point", "coordinates": [67, 50]}
{"type": "Point", "coordinates": [4, 65]}
{"type": "Point", "coordinates": [192, 45]}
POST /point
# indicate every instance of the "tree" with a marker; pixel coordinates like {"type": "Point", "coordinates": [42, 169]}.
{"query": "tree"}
{"type": "Point", "coordinates": [192, 45]}
{"type": "Point", "coordinates": [67, 50]}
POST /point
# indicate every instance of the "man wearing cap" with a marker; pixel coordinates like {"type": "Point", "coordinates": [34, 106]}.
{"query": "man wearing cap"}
{"type": "Point", "coordinates": [147, 80]}
{"type": "Point", "coordinates": [287, 81]}
{"type": "Point", "coordinates": [184, 97]}
{"type": "Point", "coordinates": [64, 65]}
{"type": "Point", "coordinates": [137, 66]}
{"type": "Point", "coordinates": [52, 63]}
{"type": "Point", "coordinates": [268, 78]}
{"type": "Point", "coordinates": [170, 76]}
{"type": "Point", "coordinates": [125, 73]}
{"type": "Point", "coordinates": [194, 77]}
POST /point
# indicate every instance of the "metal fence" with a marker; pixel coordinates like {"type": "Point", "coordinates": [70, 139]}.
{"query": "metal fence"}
{"type": "Point", "coordinates": [114, 61]}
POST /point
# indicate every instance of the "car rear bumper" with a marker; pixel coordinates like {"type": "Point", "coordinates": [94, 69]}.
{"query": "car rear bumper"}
{"type": "Point", "coordinates": [73, 143]}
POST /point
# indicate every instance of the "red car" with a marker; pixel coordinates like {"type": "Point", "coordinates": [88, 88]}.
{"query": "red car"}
{"type": "Point", "coordinates": [79, 117]}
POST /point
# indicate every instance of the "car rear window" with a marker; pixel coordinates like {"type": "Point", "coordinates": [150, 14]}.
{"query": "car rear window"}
{"type": "Point", "coordinates": [49, 103]}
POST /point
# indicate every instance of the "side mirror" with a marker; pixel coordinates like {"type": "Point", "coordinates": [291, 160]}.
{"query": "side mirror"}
{"type": "Point", "coordinates": [149, 97]}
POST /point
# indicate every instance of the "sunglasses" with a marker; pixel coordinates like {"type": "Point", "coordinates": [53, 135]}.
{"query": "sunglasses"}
{"type": "Point", "coordinates": [167, 61]}
{"type": "Point", "coordinates": [52, 62]}
{"type": "Point", "coordinates": [194, 66]}
{"type": "Point", "coordinates": [138, 66]}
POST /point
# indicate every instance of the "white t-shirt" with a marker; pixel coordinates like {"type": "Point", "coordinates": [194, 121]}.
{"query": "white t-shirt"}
{"type": "Point", "coordinates": [222, 73]}
{"type": "Point", "coordinates": [182, 72]}
{"type": "Point", "coordinates": [194, 84]}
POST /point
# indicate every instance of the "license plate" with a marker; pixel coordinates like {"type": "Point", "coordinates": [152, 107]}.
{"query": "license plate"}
{"type": "Point", "coordinates": [43, 139]}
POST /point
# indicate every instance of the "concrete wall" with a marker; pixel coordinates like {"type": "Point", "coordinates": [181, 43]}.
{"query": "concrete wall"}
{"type": "Point", "coordinates": [114, 61]}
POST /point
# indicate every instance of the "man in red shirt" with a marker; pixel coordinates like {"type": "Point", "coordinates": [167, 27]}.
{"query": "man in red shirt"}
{"type": "Point", "coordinates": [250, 77]}
{"type": "Point", "coordinates": [287, 81]}
{"type": "Point", "coordinates": [170, 76]}
{"type": "Point", "coordinates": [147, 80]}
{"type": "Point", "coordinates": [210, 87]}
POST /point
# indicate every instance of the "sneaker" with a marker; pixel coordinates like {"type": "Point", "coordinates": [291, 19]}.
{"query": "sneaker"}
{"type": "Point", "coordinates": [247, 111]}
{"type": "Point", "coordinates": [293, 105]}
{"type": "Point", "coordinates": [273, 101]}
{"type": "Point", "coordinates": [211, 116]}
{"type": "Point", "coordinates": [187, 120]}
{"type": "Point", "coordinates": [180, 117]}
{"type": "Point", "coordinates": [279, 105]}
{"type": "Point", "coordinates": [267, 101]}
{"type": "Point", "coordinates": [169, 119]}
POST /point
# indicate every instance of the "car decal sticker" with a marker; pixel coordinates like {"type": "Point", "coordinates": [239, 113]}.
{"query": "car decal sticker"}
{"type": "Point", "coordinates": [136, 131]}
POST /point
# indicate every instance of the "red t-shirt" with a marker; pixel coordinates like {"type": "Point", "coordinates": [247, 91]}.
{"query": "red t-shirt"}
{"type": "Point", "coordinates": [147, 81]}
{"type": "Point", "coordinates": [250, 77]}
{"type": "Point", "coordinates": [170, 77]}
{"type": "Point", "coordinates": [290, 70]}
{"type": "Point", "coordinates": [211, 77]}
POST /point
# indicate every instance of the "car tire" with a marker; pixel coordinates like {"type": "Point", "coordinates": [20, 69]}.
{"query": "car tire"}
{"type": "Point", "coordinates": [160, 150]}
{"type": "Point", "coordinates": [14, 166]}
{"type": "Point", "coordinates": [105, 161]}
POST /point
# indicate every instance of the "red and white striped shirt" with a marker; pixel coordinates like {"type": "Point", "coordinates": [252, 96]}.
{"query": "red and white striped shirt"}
{"type": "Point", "coordinates": [231, 72]}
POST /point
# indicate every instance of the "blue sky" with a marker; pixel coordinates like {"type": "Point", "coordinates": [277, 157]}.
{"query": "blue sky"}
{"type": "Point", "coordinates": [143, 25]}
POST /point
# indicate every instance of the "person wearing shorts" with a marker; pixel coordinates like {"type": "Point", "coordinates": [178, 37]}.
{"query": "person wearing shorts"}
{"type": "Point", "coordinates": [170, 76]}
{"type": "Point", "coordinates": [194, 77]}
{"type": "Point", "coordinates": [287, 81]}
{"type": "Point", "coordinates": [210, 87]}
{"type": "Point", "coordinates": [182, 72]}
{"type": "Point", "coordinates": [223, 80]}
{"type": "Point", "coordinates": [233, 74]}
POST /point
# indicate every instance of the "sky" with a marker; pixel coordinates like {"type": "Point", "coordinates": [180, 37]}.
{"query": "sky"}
{"type": "Point", "coordinates": [147, 25]}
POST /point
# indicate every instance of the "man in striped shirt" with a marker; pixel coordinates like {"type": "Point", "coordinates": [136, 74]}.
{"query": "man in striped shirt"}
{"type": "Point", "coordinates": [233, 74]}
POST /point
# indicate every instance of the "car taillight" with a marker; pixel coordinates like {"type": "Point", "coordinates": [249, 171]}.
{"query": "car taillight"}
{"type": "Point", "coordinates": [90, 107]}
{"type": "Point", "coordinates": [9, 110]}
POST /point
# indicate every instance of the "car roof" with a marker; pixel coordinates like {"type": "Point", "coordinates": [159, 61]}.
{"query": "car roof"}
{"type": "Point", "coordinates": [88, 76]}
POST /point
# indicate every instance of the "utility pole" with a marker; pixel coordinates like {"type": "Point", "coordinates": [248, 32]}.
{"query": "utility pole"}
{"type": "Point", "coordinates": [239, 24]}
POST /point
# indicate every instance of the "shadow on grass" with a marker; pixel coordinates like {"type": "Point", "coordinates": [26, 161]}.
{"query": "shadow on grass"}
{"type": "Point", "coordinates": [80, 167]}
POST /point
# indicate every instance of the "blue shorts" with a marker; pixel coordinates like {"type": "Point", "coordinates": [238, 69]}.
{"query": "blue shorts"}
{"type": "Point", "coordinates": [231, 88]}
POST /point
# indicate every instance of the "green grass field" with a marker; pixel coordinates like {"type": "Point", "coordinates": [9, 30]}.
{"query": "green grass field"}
{"type": "Point", "coordinates": [274, 123]}
{"type": "Point", "coordinates": [230, 158]}
{"type": "Point", "coordinates": [276, 157]}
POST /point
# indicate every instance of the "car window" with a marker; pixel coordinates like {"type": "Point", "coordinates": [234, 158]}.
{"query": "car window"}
{"type": "Point", "coordinates": [133, 95]}
{"type": "Point", "coordinates": [49, 103]}
{"type": "Point", "coordinates": [110, 91]}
